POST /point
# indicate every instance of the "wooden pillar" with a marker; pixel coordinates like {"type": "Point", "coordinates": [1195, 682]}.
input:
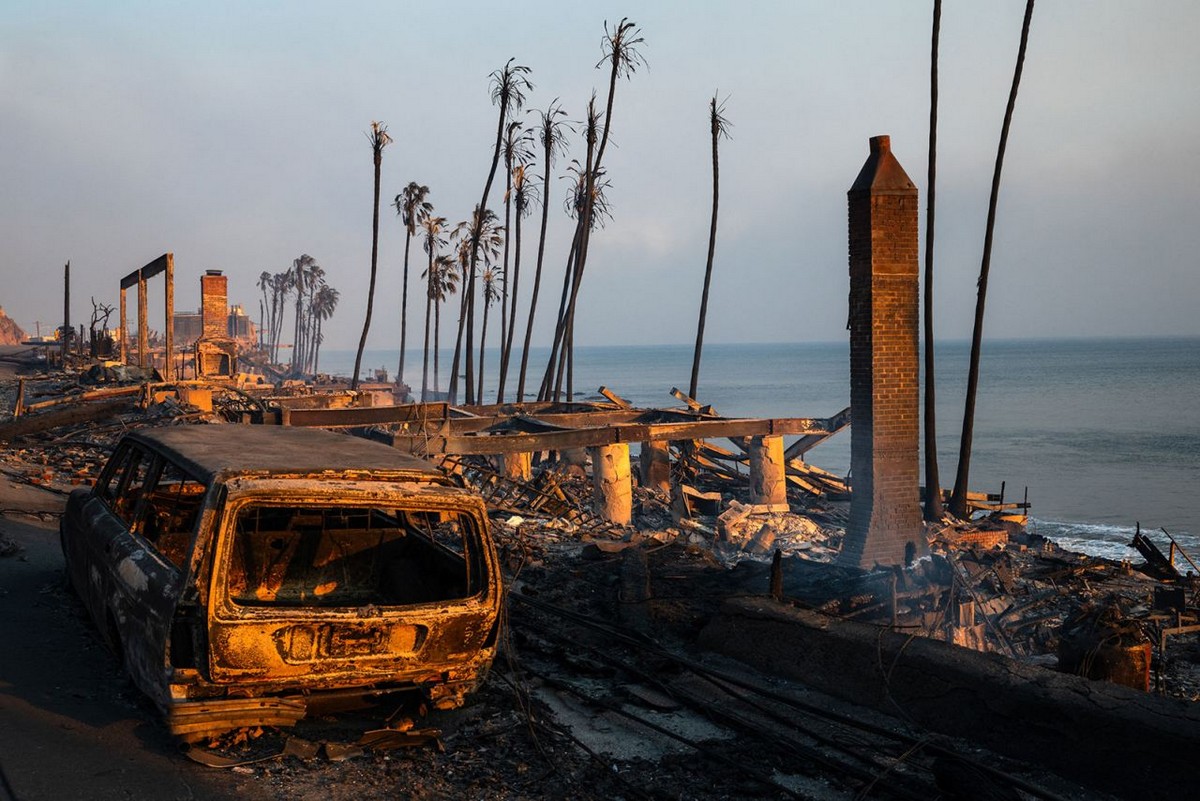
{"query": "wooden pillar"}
{"type": "Point", "coordinates": [143, 324]}
{"type": "Point", "coordinates": [123, 344]}
{"type": "Point", "coordinates": [517, 466]}
{"type": "Point", "coordinates": [768, 472]}
{"type": "Point", "coordinates": [66, 331]}
{"type": "Point", "coordinates": [168, 361]}
{"type": "Point", "coordinates": [612, 484]}
{"type": "Point", "coordinates": [885, 515]}
{"type": "Point", "coordinates": [654, 462]}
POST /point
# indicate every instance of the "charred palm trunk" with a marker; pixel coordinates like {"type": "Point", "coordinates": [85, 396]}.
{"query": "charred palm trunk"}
{"type": "Point", "coordinates": [404, 309]}
{"type": "Point", "coordinates": [958, 502]}
{"type": "Point", "coordinates": [379, 139]}
{"type": "Point", "coordinates": [715, 124]}
{"type": "Point", "coordinates": [506, 351]}
{"type": "Point", "coordinates": [933, 487]}
{"type": "Point", "coordinates": [428, 310]}
{"type": "Point", "coordinates": [537, 274]}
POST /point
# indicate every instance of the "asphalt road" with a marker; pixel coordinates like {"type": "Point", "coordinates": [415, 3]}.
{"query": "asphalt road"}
{"type": "Point", "coordinates": [71, 725]}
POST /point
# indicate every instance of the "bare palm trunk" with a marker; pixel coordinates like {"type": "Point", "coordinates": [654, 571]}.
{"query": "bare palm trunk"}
{"type": "Point", "coordinates": [537, 274]}
{"type": "Point", "coordinates": [552, 362]}
{"type": "Point", "coordinates": [404, 309]}
{"type": "Point", "coordinates": [933, 487]}
{"type": "Point", "coordinates": [715, 124]}
{"type": "Point", "coordinates": [958, 502]}
{"type": "Point", "coordinates": [379, 140]}
{"type": "Point", "coordinates": [506, 353]}
{"type": "Point", "coordinates": [428, 308]}
{"type": "Point", "coordinates": [437, 345]}
{"type": "Point", "coordinates": [504, 283]}
{"type": "Point", "coordinates": [317, 347]}
{"type": "Point", "coordinates": [482, 343]}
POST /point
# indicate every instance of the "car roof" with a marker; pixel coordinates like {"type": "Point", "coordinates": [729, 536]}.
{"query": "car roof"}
{"type": "Point", "coordinates": [209, 450]}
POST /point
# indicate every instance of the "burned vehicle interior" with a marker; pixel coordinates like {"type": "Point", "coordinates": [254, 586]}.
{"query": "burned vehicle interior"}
{"type": "Point", "coordinates": [349, 556]}
{"type": "Point", "coordinates": [288, 563]}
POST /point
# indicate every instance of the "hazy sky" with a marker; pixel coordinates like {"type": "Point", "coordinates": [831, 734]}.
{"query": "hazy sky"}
{"type": "Point", "coordinates": [232, 134]}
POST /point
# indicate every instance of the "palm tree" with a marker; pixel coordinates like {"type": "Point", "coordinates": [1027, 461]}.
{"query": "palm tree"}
{"type": "Point", "coordinates": [516, 152]}
{"type": "Point", "coordinates": [412, 207]}
{"type": "Point", "coordinates": [482, 240]}
{"type": "Point", "coordinates": [552, 135]}
{"type": "Point", "coordinates": [316, 280]}
{"type": "Point", "coordinates": [434, 240]}
{"type": "Point", "coordinates": [302, 268]}
{"type": "Point", "coordinates": [264, 284]}
{"type": "Point", "coordinates": [525, 194]}
{"type": "Point", "coordinates": [379, 140]}
{"type": "Point", "coordinates": [620, 48]}
{"type": "Point", "coordinates": [508, 92]}
{"type": "Point", "coordinates": [719, 127]}
{"type": "Point", "coordinates": [933, 484]}
{"type": "Point", "coordinates": [958, 501]}
{"type": "Point", "coordinates": [324, 303]}
{"type": "Point", "coordinates": [281, 285]}
{"type": "Point", "coordinates": [490, 295]}
{"type": "Point", "coordinates": [446, 283]}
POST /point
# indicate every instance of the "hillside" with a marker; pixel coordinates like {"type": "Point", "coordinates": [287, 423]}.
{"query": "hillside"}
{"type": "Point", "coordinates": [10, 332]}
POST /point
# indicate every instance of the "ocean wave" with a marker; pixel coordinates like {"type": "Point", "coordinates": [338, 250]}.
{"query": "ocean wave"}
{"type": "Point", "coordinates": [1107, 541]}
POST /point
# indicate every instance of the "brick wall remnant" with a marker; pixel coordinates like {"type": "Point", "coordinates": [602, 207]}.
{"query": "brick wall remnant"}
{"type": "Point", "coordinates": [885, 517]}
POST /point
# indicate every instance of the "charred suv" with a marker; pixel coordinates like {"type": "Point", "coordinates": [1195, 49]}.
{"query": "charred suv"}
{"type": "Point", "coordinates": [245, 574]}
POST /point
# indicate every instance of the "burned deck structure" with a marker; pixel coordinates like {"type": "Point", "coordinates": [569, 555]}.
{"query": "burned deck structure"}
{"type": "Point", "coordinates": [513, 433]}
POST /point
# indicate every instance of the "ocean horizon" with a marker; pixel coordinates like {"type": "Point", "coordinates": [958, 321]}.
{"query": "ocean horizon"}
{"type": "Point", "coordinates": [1104, 434]}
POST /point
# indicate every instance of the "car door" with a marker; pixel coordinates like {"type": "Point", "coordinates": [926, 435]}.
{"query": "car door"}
{"type": "Point", "coordinates": [133, 585]}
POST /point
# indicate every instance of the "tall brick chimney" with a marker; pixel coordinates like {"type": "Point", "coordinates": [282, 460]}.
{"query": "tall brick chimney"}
{"type": "Point", "coordinates": [885, 517]}
{"type": "Point", "coordinates": [214, 305]}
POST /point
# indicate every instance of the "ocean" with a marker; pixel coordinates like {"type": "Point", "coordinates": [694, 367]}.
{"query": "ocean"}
{"type": "Point", "coordinates": [1104, 433]}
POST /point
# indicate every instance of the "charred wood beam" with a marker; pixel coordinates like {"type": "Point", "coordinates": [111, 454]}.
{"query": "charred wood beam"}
{"type": "Point", "coordinates": [83, 413]}
{"type": "Point", "coordinates": [607, 435]}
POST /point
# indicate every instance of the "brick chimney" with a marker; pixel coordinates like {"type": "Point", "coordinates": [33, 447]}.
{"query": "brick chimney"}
{"type": "Point", "coordinates": [214, 305]}
{"type": "Point", "coordinates": [885, 518]}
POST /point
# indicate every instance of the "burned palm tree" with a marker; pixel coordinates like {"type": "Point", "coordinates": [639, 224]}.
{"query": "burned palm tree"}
{"type": "Point", "coordinates": [525, 194]}
{"type": "Point", "coordinates": [379, 139]}
{"type": "Point", "coordinates": [508, 94]}
{"type": "Point", "coordinates": [719, 126]}
{"type": "Point", "coordinates": [434, 241]}
{"type": "Point", "coordinates": [958, 501]}
{"type": "Point", "coordinates": [302, 274]}
{"type": "Point", "coordinates": [491, 293]}
{"type": "Point", "coordinates": [620, 51]}
{"type": "Point", "coordinates": [552, 136]}
{"type": "Point", "coordinates": [933, 484]}
{"type": "Point", "coordinates": [446, 283]}
{"type": "Point", "coordinates": [412, 207]}
{"type": "Point", "coordinates": [324, 304]}
{"type": "Point", "coordinates": [516, 155]}
{"type": "Point", "coordinates": [264, 284]}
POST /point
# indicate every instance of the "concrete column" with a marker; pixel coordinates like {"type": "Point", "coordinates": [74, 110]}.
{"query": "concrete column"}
{"type": "Point", "coordinates": [768, 471]}
{"type": "Point", "coordinates": [885, 517]}
{"type": "Point", "coordinates": [654, 462]}
{"type": "Point", "coordinates": [612, 484]}
{"type": "Point", "coordinates": [517, 466]}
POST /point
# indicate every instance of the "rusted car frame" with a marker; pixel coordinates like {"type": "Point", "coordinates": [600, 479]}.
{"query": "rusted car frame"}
{"type": "Point", "coordinates": [247, 574]}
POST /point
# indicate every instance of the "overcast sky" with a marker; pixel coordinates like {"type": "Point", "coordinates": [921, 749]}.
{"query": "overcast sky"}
{"type": "Point", "coordinates": [232, 134]}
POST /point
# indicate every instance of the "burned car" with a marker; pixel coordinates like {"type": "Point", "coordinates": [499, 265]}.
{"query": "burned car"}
{"type": "Point", "coordinates": [247, 574]}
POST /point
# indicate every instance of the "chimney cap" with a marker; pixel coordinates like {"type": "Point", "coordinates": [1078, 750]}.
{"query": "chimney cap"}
{"type": "Point", "coordinates": [212, 272]}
